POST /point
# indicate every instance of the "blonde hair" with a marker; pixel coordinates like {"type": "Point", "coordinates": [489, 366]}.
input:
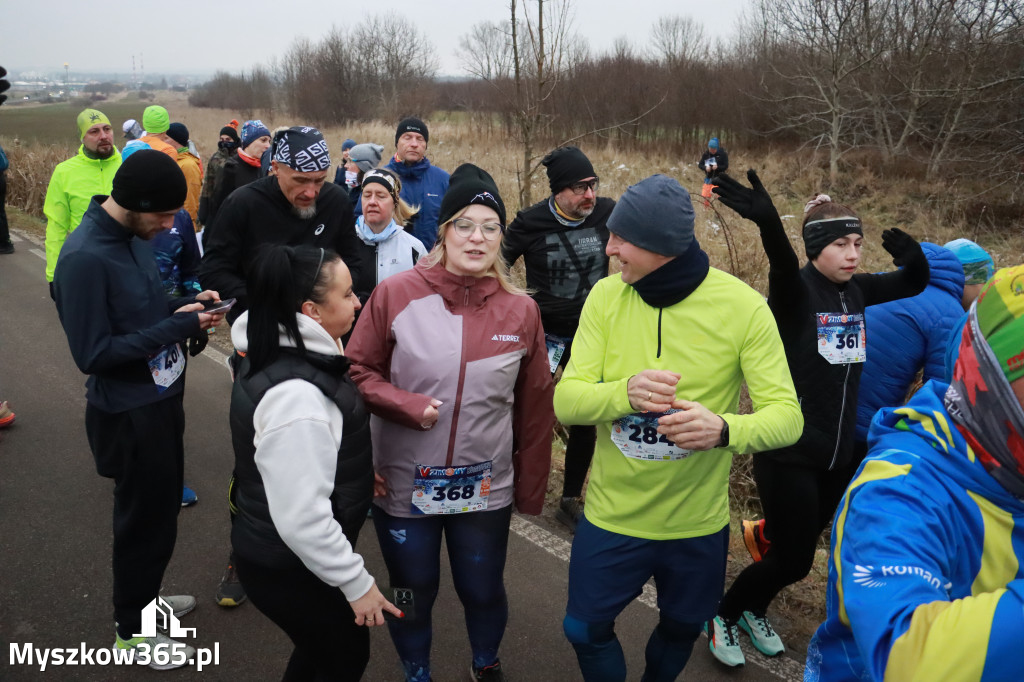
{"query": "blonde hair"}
{"type": "Point", "coordinates": [404, 212]}
{"type": "Point", "coordinates": [499, 269]}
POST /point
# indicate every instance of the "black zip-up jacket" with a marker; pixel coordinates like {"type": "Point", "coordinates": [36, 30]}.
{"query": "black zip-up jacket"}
{"type": "Point", "coordinates": [721, 157]}
{"type": "Point", "coordinates": [562, 263]}
{"type": "Point", "coordinates": [827, 392]}
{"type": "Point", "coordinates": [259, 214]}
{"type": "Point", "coordinates": [253, 534]}
{"type": "Point", "coordinates": [116, 313]}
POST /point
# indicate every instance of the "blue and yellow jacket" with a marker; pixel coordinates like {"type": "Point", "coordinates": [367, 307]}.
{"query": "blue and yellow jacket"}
{"type": "Point", "coordinates": [924, 572]}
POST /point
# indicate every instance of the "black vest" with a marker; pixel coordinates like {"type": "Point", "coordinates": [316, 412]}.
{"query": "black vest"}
{"type": "Point", "coordinates": [253, 534]}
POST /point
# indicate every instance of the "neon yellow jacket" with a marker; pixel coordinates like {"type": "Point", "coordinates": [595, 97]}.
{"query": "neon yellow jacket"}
{"type": "Point", "coordinates": [717, 337]}
{"type": "Point", "coordinates": [73, 184]}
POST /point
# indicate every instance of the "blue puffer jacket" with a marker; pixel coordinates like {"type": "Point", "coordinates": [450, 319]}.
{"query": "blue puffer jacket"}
{"type": "Point", "coordinates": [423, 185]}
{"type": "Point", "coordinates": [908, 334]}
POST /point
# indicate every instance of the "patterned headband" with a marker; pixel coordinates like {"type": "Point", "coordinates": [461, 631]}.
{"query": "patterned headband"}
{"type": "Point", "coordinates": [303, 149]}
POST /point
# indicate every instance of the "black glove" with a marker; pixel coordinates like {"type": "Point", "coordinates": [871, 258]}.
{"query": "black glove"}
{"type": "Point", "coordinates": [751, 203]}
{"type": "Point", "coordinates": [4, 85]}
{"type": "Point", "coordinates": [901, 246]}
{"type": "Point", "coordinates": [197, 343]}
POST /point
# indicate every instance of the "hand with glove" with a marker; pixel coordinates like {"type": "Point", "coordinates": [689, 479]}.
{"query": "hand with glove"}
{"type": "Point", "coordinates": [752, 203]}
{"type": "Point", "coordinates": [197, 343]}
{"type": "Point", "coordinates": [901, 246]}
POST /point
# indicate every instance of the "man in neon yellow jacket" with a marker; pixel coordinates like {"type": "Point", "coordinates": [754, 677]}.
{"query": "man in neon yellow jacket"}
{"type": "Point", "coordinates": [74, 182]}
{"type": "Point", "coordinates": [657, 364]}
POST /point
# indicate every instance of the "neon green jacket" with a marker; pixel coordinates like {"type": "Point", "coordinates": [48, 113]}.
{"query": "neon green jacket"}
{"type": "Point", "coordinates": [717, 337]}
{"type": "Point", "coordinates": [73, 184]}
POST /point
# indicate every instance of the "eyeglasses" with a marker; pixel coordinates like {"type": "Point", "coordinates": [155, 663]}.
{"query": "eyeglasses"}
{"type": "Point", "coordinates": [582, 187]}
{"type": "Point", "coordinates": [464, 227]}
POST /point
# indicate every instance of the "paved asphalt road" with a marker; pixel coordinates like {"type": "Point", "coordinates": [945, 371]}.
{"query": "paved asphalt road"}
{"type": "Point", "coordinates": [55, 513]}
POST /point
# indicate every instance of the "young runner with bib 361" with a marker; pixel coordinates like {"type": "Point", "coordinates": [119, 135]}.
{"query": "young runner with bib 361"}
{"type": "Point", "coordinates": [820, 312]}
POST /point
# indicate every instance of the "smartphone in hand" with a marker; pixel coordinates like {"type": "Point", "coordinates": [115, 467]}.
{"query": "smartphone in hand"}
{"type": "Point", "coordinates": [217, 306]}
{"type": "Point", "coordinates": [403, 598]}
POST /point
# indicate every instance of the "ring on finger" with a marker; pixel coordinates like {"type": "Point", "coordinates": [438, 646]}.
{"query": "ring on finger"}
{"type": "Point", "coordinates": [649, 394]}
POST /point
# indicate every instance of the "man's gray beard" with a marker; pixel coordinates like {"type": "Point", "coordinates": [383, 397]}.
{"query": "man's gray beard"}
{"type": "Point", "coordinates": [583, 213]}
{"type": "Point", "coordinates": [304, 213]}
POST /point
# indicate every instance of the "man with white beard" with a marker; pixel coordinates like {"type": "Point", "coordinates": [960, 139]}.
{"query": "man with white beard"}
{"type": "Point", "coordinates": [295, 206]}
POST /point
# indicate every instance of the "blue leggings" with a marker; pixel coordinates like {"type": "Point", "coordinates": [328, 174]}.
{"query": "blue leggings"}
{"type": "Point", "coordinates": [477, 543]}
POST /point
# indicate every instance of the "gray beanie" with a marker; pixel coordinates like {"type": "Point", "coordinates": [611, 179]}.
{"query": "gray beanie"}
{"type": "Point", "coordinates": [655, 214]}
{"type": "Point", "coordinates": [366, 156]}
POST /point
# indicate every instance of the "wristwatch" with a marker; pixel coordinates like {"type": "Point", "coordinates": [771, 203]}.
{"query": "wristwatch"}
{"type": "Point", "coordinates": [724, 440]}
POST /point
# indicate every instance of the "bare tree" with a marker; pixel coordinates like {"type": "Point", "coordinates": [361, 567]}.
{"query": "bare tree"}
{"type": "Point", "coordinates": [678, 41]}
{"type": "Point", "coordinates": [524, 62]}
{"type": "Point", "coordinates": [813, 57]}
{"type": "Point", "coordinates": [397, 57]}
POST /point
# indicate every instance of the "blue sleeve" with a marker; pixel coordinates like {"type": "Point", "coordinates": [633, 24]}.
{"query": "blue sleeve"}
{"type": "Point", "coordinates": [903, 590]}
{"type": "Point", "coordinates": [190, 258]}
{"type": "Point", "coordinates": [953, 347]}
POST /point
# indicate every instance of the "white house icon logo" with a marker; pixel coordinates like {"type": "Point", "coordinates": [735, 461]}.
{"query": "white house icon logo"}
{"type": "Point", "coordinates": [159, 613]}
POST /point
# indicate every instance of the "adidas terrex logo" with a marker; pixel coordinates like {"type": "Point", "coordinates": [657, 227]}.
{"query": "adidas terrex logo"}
{"type": "Point", "coordinates": [505, 337]}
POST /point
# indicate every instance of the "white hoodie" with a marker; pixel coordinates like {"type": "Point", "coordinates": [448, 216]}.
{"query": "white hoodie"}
{"type": "Point", "coordinates": [298, 434]}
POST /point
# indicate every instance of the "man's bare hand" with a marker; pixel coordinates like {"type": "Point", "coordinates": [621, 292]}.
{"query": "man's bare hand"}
{"type": "Point", "coordinates": [652, 390]}
{"type": "Point", "coordinates": [694, 427]}
{"type": "Point", "coordinates": [208, 295]}
{"type": "Point", "coordinates": [206, 320]}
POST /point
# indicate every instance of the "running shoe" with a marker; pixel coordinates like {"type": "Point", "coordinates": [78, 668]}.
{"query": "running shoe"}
{"type": "Point", "coordinates": [180, 604]}
{"type": "Point", "coordinates": [753, 538]}
{"type": "Point", "coordinates": [178, 653]}
{"type": "Point", "coordinates": [7, 247]}
{"type": "Point", "coordinates": [188, 497]}
{"type": "Point", "coordinates": [490, 673]}
{"type": "Point", "coordinates": [569, 511]}
{"type": "Point", "coordinates": [6, 415]}
{"type": "Point", "coordinates": [230, 592]}
{"type": "Point", "coordinates": [724, 641]}
{"type": "Point", "coordinates": [762, 634]}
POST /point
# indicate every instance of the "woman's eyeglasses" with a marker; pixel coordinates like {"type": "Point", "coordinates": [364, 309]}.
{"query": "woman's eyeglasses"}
{"type": "Point", "coordinates": [464, 227]}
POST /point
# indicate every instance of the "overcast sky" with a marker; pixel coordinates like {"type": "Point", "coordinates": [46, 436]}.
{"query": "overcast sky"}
{"type": "Point", "coordinates": [199, 36]}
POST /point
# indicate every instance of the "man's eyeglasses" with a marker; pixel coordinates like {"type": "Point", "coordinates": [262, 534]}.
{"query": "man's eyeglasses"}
{"type": "Point", "coordinates": [464, 227]}
{"type": "Point", "coordinates": [583, 186]}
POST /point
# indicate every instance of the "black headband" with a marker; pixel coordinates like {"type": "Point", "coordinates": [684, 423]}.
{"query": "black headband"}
{"type": "Point", "coordinates": [383, 178]}
{"type": "Point", "coordinates": [820, 233]}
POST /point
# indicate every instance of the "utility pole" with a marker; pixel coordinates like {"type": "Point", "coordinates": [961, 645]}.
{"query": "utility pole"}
{"type": "Point", "coordinates": [67, 88]}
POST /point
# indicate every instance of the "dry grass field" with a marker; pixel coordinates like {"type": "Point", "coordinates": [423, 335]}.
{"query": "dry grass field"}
{"type": "Point", "coordinates": [38, 137]}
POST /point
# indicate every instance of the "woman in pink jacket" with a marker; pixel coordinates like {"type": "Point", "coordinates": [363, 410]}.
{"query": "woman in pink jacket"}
{"type": "Point", "coordinates": [451, 361]}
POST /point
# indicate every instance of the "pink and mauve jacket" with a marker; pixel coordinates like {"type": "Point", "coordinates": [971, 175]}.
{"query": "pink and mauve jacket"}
{"type": "Point", "coordinates": [427, 333]}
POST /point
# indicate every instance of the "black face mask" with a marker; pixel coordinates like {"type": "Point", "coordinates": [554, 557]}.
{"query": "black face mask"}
{"type": "Point", "coordinates": [228, 145]}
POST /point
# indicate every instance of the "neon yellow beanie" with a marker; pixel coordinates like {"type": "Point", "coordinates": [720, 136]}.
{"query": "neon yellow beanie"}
{"type": "Point", "coordinates": [156, 120]}
{"type": "Point", "coordinates": [88, 118]}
